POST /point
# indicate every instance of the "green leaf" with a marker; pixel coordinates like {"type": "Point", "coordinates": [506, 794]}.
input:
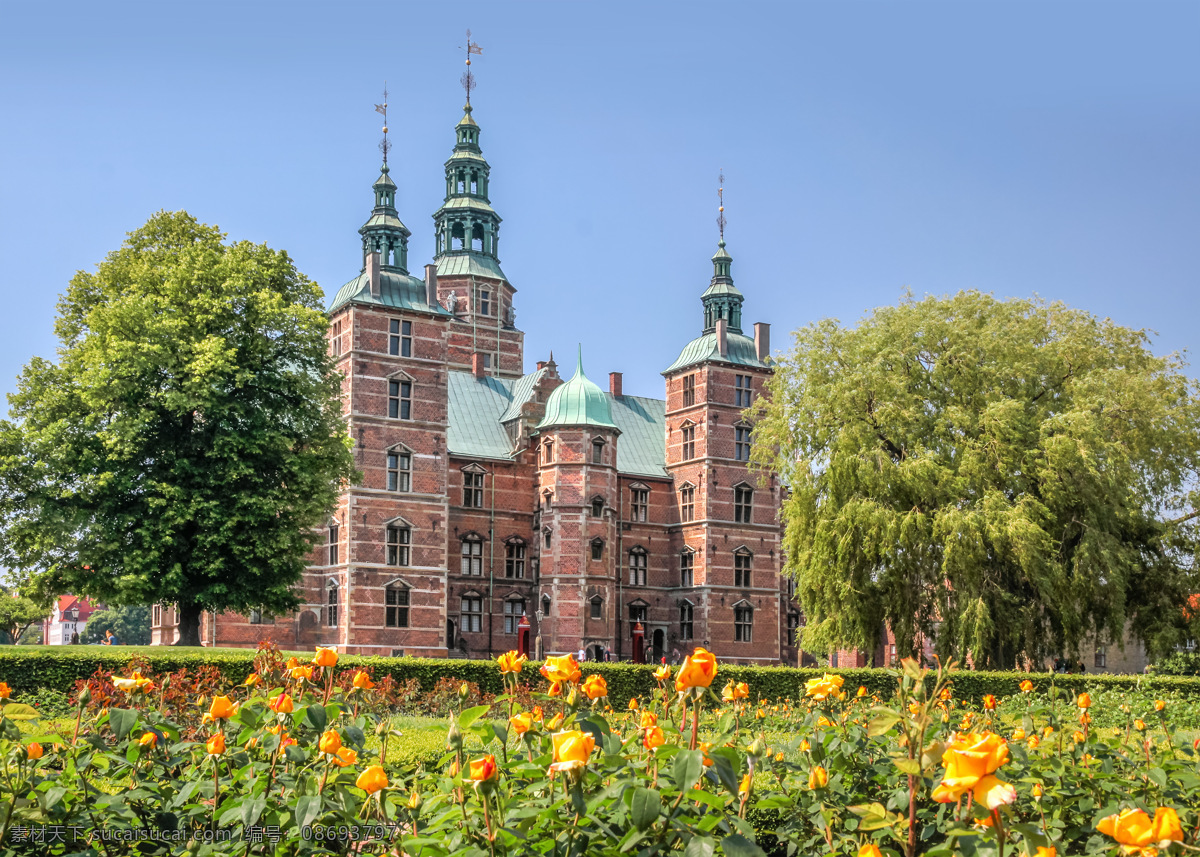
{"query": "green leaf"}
{"type": "Point", "coordinates": [908, 766]}
{"type": "Point", "coordinates": [20, 711]}
{"type": "Point", "coordinates": [737, 845]}
{"type": "Point", "coordinates": [726, 763]}
{"type": "Point", "coordinates": [121, 721]}
{"type": "Point", "coordinates": [252, 810]}
{"type": "Point", "coordinates": [53, 797]}
{"type": "Point", "coordinates": [882, 722]}
{"type": "Point", "coordinates": [308, 808]}
{"type": "Point", "coordinates": [470, 715]}
{"type": "Point", "coordinates": [700, 846]}
{"type": "Point", "coordinates": [315, 716]}
{"type": "Point", "coordinates": [686, 768]}
{"type": "Point", "coordinates": [1159, 776]}
{"type": "Point", "coordinates": [646, 807]}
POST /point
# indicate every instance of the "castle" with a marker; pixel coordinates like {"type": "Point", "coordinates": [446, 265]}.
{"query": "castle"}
{"type": "Point", "coordinates": [492, 497]}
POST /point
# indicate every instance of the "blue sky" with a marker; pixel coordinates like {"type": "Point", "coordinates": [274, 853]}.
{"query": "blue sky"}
{"type": "Point", "coordinates": [1018, 148]}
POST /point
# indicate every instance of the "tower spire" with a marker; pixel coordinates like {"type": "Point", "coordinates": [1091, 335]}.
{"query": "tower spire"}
{"type": "Point", "coordinates": [721, 205]}
{"type": "Point", "coordinates": [722, 300]}
{"type": "Point", "coordinates": [384, 233]}
{"type": "Point", "coordinates": [468, 79]}
{"type": "Point", "coordinates": [384, 145]}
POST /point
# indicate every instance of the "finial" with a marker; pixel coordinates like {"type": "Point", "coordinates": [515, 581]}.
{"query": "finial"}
{"type": "Point", "coordinates": [382, 108]}
{"type": "Point", "coordinates": [721, 205]}
{"type": "Point", "coordinates": [468, 79]}
{"type": "Point", "coordinates": [579, 361]}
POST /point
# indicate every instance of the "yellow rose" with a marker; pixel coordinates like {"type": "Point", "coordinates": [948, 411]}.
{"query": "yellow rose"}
{"type": "Point", "coordinates": [1084, 701]}
{"type": "Point", "coordinates": [594, 686]}
{"type": "Point", "coordinates": [521, 723]}
{"type": "Point", "coordinates": [34, 750]}
{"type": "Point", "coordinates": [571, 749]}
{"type": "Point", "coordinates": [1139, 725]}
{"type": "Point", "coordinates": [5, 690]}
{"type": "Point", "coordinates": [824, 687]}
{"type": "Point", "coordinates": [970, 761]}
{"type": "Point", "coordinates": [563, 668]}
{"type": "Point", "coordinates": [511, 662]}
{"type": "Point", "coordinates": [1027, 686]}
{"type": "Point", "coordinates": [818, 778]}
{"type": "Point", "coordinates": [325, 657]}
{"type": "Point", "coordinates": [1043, 851]}
{"type": "Point", "coordinates": [330, 743]}
{"type": "Point", "coordinates": [281, 704]}
{"type": "Point", "coordinates": [371, 780]}
{"type": "Point", "coordinates": [216, 745]}
{"type": "Point", "coordinates": [744, 786]}
{"type": "Point", "coordinates": [663, 673]}
{"type": "Point", "coordinates": [654, 738]}
{"type": "Point", "coordinates": [1018, 735]}
{"type": "Point", "coordinates": [870, 850]}
{"type": "Point", "coordinates": [1134, 829]}
{"type": "Point", "coordinates": [649, 720]}
{"type": "Point", "coordinates": [483, 770]}
{"type": "Point", "coordinates": [345, 757]}
{"type": "Point", "coordinates": [363, 681]}
{"type": "Point", "coordinates": [1159, 705]}
{"type": "Point", "coordinates": [148, 740]}
{"type": "Point", "coordinates": [633, 704]}
{"type": "Point", "coordinates": [222, 708]}
{"type": "Point", "coordinates": [698, 670]}
{"type": "Point", "coordinates": [252, 680]}
{"type": "Point", "coordinates": [862, 691]}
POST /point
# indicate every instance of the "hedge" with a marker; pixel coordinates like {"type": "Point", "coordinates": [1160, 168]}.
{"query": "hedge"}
{"type": "Point", "coordinates": [26, 668]}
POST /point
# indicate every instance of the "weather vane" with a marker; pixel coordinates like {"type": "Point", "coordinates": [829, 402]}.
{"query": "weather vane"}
{"type": "Point", "coordinates": [382, 108]}
{"type": "Point", "coordinates": [721, 200]}
{"type": "Point", "coordinates": [468, 79]}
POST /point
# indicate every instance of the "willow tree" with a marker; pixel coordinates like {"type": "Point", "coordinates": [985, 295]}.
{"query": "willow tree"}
{"type": "Point", "coordinates": [188, 438]}
{"type": "Point", "coordinates": [1009, 479]}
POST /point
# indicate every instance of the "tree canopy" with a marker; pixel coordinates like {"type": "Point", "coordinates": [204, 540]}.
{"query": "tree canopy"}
{"type": "Point", "coordinates": [189, 437]}
{"type": "Point", "coordinates": [1008, 479]}
{"type": "Point", "coordinates": [131, 625]}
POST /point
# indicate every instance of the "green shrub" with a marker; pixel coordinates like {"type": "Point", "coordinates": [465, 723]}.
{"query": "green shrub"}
{"type": "Point", "coordinates": [1179, 663]}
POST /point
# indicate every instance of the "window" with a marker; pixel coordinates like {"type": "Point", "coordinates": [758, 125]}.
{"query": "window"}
{"type": "Point", "coordinates": [741, 443]}
{"type": "Point", "coordinates": [791, 587]}
{"type": "Point", "coordinates": [687, 503]}
{"type": "Point", "coordinates": [742, 391]}
{"type": "Point", "coordinates": [546, 538]}
{"type": "Point", "coordinates": [398, 541]}
{"type": "Point", "coordinates": [685, 621]}
{"type": "Point", "coordinates": [473, 488]}
{"type": "Point", "coordinates": [336, 340]}
{"type": "Point", "coordinates": [597, 608]}
{"type": "Point", "coordinates": [395, 599]}
{"type": "Point", "coordinates": [331, 605]}
{"type": "Point", "coordinates": [639, 503]}
{"type": "Point", "coordinates": [689, 441]}
{"type": "Point", "coordinates": [793, 625]}
{"type": "Point", "coordinates": [548, 452]}
{"type": "Point", "coordinates": [597, 507]}
{"type": "Point", "coordinates": [637, 613]}
{"type": "Point", "coordinates": [485, 302]}
{"type": "Point", "coordinates": [597, 452]}
{"type": "Point", "coordinates": [545, 605]}
{"type": "Point", "coordinates": [1101, 657]}
{"type": "Point", "coordinates": [514, 609]}
{"type": "Point", "coordinates": [333, 544]}
{"type": "Point", "coordinates": [472, 556]}
{"type": "Point", "coordinates": [399, 470]}
{"type": "Point", "coordinates": [257, 618]}
{"type": "Point", "coordinates": [687, 560]}
{"type": "Point", "coordinates": [597, 549]}
{"type": "Point", "coordinates": [743, 623]}
{"type": "Point", "coordinates": [637, 567]}
{"type": "Point", "coordinates": [400, 399]}
{"type": "Point", "coordinates": [400, 338]}
{"type": "Point", "coordinates": [156, 615]}
{"type": "Point", "coordinates": [741, 569]}
{"type": "Point", "coordinates": [743, 496]}
{"type": "Point", "coordinates": [514, 560]}
{"type": "Point", "coordinates": [689, 390]}
{"type": "Point", "coordinates": [472, 614]}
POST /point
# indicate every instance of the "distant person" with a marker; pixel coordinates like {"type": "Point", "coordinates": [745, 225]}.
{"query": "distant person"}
{"type": "Point", "coordinates": [676, 657]}
{"type": "Point", "coordinates": [111, 639]}
{"type": "Point", "coordinates": [608, 654]}
{"type": "Point", "coordinates": [581, 656]}
{"type": "Point", "coordinates": [74, 638]}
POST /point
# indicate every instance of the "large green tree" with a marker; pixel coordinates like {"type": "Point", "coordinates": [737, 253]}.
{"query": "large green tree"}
{"type": "Point", "coordinates": [1008, 479]}
{"type": "Point", "coordinates": [188, 438]}
{"type": "Point", "coordinates": [131, 625]}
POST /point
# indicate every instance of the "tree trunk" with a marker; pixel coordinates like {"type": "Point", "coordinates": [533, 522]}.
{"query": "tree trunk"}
{"type": "Point", "coordinates": [189, 624]}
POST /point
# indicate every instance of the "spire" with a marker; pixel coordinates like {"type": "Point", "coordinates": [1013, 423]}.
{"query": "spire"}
{"type": "Point", "coordinates": [384, 233]}
{"type": "Point", "coordinates": [466, 224]}
{"type": "Point", "coordinates": [722, 299]}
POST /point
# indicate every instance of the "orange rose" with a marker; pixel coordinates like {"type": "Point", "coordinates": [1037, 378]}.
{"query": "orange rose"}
{"type": "Point", "coordinates": [371, 780]}
{"type": "Point", "coordinates": [571, 749]}
{"type": "Point", "coordinates": [862, 691]}
{"type": "Point", "coordinates": [537, 713]}
{"type": "Point", "coordinates": [301, 673]}
{"type": "Point", "coordinates": [704, 748]}
{"type": "Point", "coordinates": [1037, 791]}
{"type": "Point", "coordinates": [870, 850]}
{"type": "Point", "coordinates": [1159, 705]}
{"type": "Point", "coordinates": [5, 690]}
{"type": "Point", "coordinates": [698, 670]}
{"type": "Point", "coordinates": [989, 702]}
{"type": "Point", "coordinates": [330, 743]}
{"type": "Point", "coordinates": [595, 687]}
{"type": "Point", "coordinates": [511, 662]}
{"type": "Point", "coordinates": [148, 740]}
{"type": "Point", "coordinates": [1043, 851]}
{"type": "Point", "coordinates": [654, 738]}
{"type": "Point", "coordinates": [292, 663]}
{"type": "Point", "coordinates": [563, 668]}
{"type": "Point", "coordinates": [1134, 829]}
{"type": "Point", "coordinates": [363, 681]}
{"type": "Point", "coordinates": [744, 785]}
{"type": "Point", "coordinates": [633, 704]}
{"type": "Point", "coordinates": [970, 762]}
{"type": "Point", "coordinates": [281, 704]}
{"type": "Point", "coordinates": [649, 720]}
{"type": "Point", "coordinates": [823, 688]}
{"type": "Point", "coordinates": [818, 778]}
{"type": "Point", "coordinates": [1139, 725]}
{"type": "Point", "coordinates": [252, 680]}
{"type": "Point", "coordinates": [663, 673]}
{"type": "Point", "coordinates": [483, 770]}
{"type": "Point", "coordinates": [1027, 686]}
{"type": "Point", "coordinates": [1084, 701]}
{"type": "Point", "coordinates": [325, 657]}
{"type": "Point", "coordinates": [216, 745]}
{"type": "Point", "coordinates": [345, 757]}
{"type": "Point", "coordinates": [1018, 735]}
{"type": "Point", "coordinates": [521, 723]}
{"type": "Point", "coordinates": [34, 750]}
{"type": "Point", "coordinates": [222, 708]}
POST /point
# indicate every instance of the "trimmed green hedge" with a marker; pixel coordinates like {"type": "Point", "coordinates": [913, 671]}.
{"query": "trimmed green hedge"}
{"type": "Point", "coordinates": [27, 668]}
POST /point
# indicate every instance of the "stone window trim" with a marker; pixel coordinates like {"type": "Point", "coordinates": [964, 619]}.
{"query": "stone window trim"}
{"type": "Point", "coordinates": [597, 549]}
{"type": "Point", "coordinates": [596, 603]}
{"type": "Point", "coordinates": [639, 502]}
{"type": "Point", "coordinates": [516, 552]}
{"type": "Point", "coordinates": [687, 502]}
{"type": "Point", "coordinates": [470, 612]}
{"type": "Point", "coordinates": [743, 503]}
{"type": "Point", "coordinates": [741, 440]}
{"type": "Point", "coordinates": [743, 622]}
{"type": "Point", "coordinates": [398, 542]}
{"type": "Point", "coordinates": [400, 337]}
{"type": "Point", "coordinates": [400, 387]}
{"type": "Point", "coordinates": [597, 504]}
{"type": "Point", "coordinates": [473, 481]}
{"type": "Point", "coordinates": [547, 451]}
{"type": "Point", "coordinates": [639, 611]}
{"type": "Point", "coordinates": [687, 567]}
{"type": "Point", "coordinates": [334, 542]}
{"type": "Point", "coordinates": [398, 459]}
{"type": "Point", "coordinates": [743, 563]}
{"type": "Point", "coordinates": [547, 534]}
{"type": "Point", "coordinates": [687, 430]}
{"type": "Point", "coordinates": [638, 560]}
{"type": "Point", "coordinates": [689, 390]}
{"type": "Point", "coordinates": [332, 596]}
{"type": "Point", "coordinates": [397, 600]}
{"type": "Point", "coordinates": [687, 613]}
{"type": "Point", "coordinates": [598, 444]}
{"type": "Point", "coordinates": [471, 554]}
{"type": "Point", "coordinates": [256, 618]}
{"type": "Point", "coordinates": [744, 391]}
{"type": "Point", "coordinates": [514, 609]}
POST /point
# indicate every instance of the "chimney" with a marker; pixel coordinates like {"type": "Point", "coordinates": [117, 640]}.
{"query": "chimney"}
{"type": "Point", "coordinates": [541, 364]}
{"type": "Point", "coordinates": [762, 340]}
{"type": "Point", "coordinates": [431, 296]}
{"type": "Point", "coordinates": [373, 261]}
{"type": "Point", "coordinates": [477, 364]}
{"type": "Point", "coordinates": [723, 337]}
{"type": "Point", "coordinates": [614, 384]}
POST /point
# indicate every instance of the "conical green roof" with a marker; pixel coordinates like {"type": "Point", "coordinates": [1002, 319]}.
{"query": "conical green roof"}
{"type": "Point", "coordinates": [579, 402]}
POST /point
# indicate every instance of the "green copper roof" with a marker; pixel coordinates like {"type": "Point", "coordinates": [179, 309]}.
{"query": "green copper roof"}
{"type": "Point", "coordinates": [464, 264]}
{"type": "Point", "coordinates": [703, 349]}
{"type": "Point", "coordinates": [579, 402]}
{"type": "Point", "coordinates": [458, 203]}
{"type": "Point", "coordinates": [479, 406]}
{"type": "Point", "coordinates": [395, 290]}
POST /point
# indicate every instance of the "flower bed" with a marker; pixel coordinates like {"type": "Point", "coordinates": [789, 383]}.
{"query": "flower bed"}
{"type": "Point", "coordinates": [290, 761]}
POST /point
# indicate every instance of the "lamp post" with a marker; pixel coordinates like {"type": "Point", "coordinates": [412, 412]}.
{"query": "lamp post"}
{"type": "Point", "coordinates": [539, 648]}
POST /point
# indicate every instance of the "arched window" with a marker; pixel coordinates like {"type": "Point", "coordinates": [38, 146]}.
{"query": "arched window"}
{"type": "Point", "coordinates": [472, 555]}
{"type": "Point", "coordinates": [637, 567]}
